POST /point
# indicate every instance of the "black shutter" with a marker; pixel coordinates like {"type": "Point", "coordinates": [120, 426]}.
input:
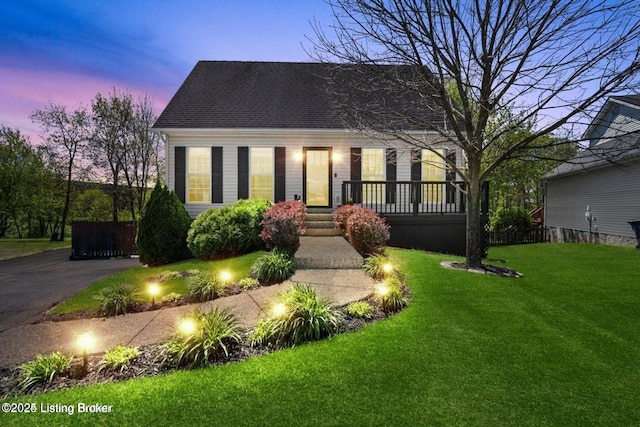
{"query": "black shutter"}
{"type": "Point", "coordinates": [280, 174]}
{"type": "Point", "coordinates": [416, 173]}
{"type": "Point", "coordinates": [356, 175]}
{"type": "Point", "coordinates": [216, 175]}
{"type": "Point", "coordinates": [180, 154]}
{"type": "Point", "coordinates": [390, 189]}
{"type": "Point", "coordinates": [243, 172]}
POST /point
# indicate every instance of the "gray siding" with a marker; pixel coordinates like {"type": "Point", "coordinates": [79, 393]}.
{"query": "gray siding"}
{"type": "Point", "coordinates": [339, 141]}
{"type": "Point", "coordinates": [613, 193]}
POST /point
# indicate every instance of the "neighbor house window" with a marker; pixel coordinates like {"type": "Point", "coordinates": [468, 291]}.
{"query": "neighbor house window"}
{"type": "Point", "coordinates": [261, 172]}
{"type": "Point", "coordinates": [199, 175]}
{"type": "Point", "coordinates": [433, 169]}
{"type": "Point", "coordinates": [373, 169]}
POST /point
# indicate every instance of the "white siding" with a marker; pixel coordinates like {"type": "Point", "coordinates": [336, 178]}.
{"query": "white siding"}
{"type": "Point", "coordinates": [613, 193]}
{"type": "Point", "coordinates": [339, 141]}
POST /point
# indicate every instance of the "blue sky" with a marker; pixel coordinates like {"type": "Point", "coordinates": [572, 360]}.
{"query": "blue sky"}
{"type": "Point", "coordinates": [67, 51]}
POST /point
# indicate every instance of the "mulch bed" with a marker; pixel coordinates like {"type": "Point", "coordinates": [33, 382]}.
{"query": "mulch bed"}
{"type": "Point", "coordinates": [484, 269]}
{"type": "Point", "coordinates": [149, 361]}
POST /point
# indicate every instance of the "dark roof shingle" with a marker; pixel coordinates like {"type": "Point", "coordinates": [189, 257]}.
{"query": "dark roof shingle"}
{"type": "Point", "coordinates": [236, 94]}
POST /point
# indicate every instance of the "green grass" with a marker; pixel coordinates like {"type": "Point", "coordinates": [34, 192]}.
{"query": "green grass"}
{"type": "Point", "coordinates": [14, 248]}
{"type": "Point", "coordinates": [138, 276]}
{"type": "Point", "coordinates": [560, 346]}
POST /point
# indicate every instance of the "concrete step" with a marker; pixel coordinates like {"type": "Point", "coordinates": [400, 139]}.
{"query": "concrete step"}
{"type": "Point", "coordinates": [319, 224]}
{"type": "Point", "coordinates": [314, 232]}
{"type": "Point", "coordinates": [318, 217]}
{"type": "Point", "coordinates": [319, 211]}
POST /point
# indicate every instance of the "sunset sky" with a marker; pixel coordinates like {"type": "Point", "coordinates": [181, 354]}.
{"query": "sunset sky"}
{"type": "Point", "coordinates": [67, 51]}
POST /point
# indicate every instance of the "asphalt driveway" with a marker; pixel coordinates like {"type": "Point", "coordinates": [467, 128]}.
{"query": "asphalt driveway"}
{"type": "Point", "coordinates": [31, 285]}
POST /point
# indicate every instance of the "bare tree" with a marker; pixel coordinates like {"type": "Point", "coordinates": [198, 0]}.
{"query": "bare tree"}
{"type": "Point", "coordinates": [143, 151]}
{"type": "Point", "coordinates": [552, 61]}
{"type": "Point", "coordinates": [65, 135]}
{"type": "Point", "coordinates": [112, 120]}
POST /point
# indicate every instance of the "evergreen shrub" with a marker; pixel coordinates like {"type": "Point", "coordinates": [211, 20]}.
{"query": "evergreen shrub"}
{"type": "Point", "coordinates": [162, 229]}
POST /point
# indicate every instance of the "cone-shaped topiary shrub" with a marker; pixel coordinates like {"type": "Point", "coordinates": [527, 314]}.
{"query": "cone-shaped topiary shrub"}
{"type": "Point", "coordinates": [162, 229]}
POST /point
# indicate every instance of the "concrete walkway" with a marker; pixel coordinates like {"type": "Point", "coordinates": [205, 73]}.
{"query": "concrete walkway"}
{"type": "Point", "coordinates": [341, 286]}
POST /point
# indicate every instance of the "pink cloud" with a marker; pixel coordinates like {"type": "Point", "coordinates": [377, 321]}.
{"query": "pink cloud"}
{"type": "Point", "coordinates": [24, 91]}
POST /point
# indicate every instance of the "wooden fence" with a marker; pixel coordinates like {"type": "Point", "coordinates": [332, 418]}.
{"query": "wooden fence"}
{"type": "Point", "coordinates": [103, 239]}
{"type": "Point", "coordinates": [504, 238]}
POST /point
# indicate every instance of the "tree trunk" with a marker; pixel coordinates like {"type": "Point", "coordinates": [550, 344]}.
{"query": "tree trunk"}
{"type": "Point", "coordinates": [474, 249]}
{"type": "Point", "coordinates": [67, 201]}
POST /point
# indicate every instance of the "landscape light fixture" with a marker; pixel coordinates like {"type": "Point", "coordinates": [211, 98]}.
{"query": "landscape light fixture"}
{"type": "Point", "coordinates": [387, 267]}
{"type": "Point", "coordinates": [225, 276]}
{"type": "Point", "coordinates": [382, 289]}
{"type": "Point", "coordinates": [85, 343]}
{"type": "Point", "coordinates": [154, 290]}
{"type": "Point", "coordinates": [278, 309]}
{"type": "Point", "coordinates": [187, 327]}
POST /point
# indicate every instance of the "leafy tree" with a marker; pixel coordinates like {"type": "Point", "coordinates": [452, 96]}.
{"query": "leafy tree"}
{"type": "Point", "coordinates": [66, 135]}
{"type": "Point", "coordinates": [92, 205]}
{"type": "Point", "coordinates": [163, 228]}
{"type": "Point", "coordinates": [555, 61]}
{"type": "Point", "coordinates": [22, 173]}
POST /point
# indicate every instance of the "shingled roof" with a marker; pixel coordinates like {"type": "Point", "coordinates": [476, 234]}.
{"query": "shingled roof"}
{"type": "Point", "coordinates": [235, 94]}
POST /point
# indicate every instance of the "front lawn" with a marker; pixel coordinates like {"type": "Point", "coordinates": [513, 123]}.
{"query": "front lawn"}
{"type": "Point", "coordinates": [138, 276]}
{"type": "Point", "coordinates": [560, 346]}
{"type": "Point", "coordinates": [14, 248]}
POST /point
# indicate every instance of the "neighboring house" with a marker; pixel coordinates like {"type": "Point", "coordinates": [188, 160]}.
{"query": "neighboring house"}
{"type": "Point", "coordinates": [237, 130]}
{"type": "Point", "coordinates": [594, 196]}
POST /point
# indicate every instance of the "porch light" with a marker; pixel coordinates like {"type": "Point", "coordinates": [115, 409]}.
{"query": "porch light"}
{"type": "Point", "coordinates": [85, 343]}
{"type": "Point", "coordinates": [297, 156]}
{"type": "Point", "coordinates": [278, 309]}
{"type": "Point", "coordinates": [187, 327]}
{"type": "Point", "coordinates": [154, 290]}
{"type": "Point", "coordinates": [225, 276]}
{"type": "Point", "coordinates": [336, 156]}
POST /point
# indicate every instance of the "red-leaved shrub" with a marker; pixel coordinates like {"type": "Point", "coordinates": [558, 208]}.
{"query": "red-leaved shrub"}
{"type": "Point", "coordinates": [283, 224]}
{"type": "Point", "coordinates": [367, 231]}
{"type": "Point", "coordinates": [342, 214]}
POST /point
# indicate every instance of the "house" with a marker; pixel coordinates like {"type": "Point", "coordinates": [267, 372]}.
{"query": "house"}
{"type": "Point", "coordinates": [593, 197]}
{"type": "Point", "coordinates": [275, 130]}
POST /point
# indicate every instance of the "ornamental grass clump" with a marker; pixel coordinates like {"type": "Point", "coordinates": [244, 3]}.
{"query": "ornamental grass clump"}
{"type": "Point", "coordinates": [377, 266]}
{"type": "Point", "coordinates": [118, 358]}
{"type": "Point", "coordinates": [301, 317]}
{"type": "Point", "coordinates": [205, 287]}
{"type": "Point", "coordinates": [360, 309]}
{"type": "Point", "coordinates": [248, 283]}
{"type": "Point", "coordinates": [119, 299]}
{"type": "Point", "coordinates": [43, 370]}
{"type": "Point", "coordinates": [388, 295]}
{"type": "Point", "coordinates": [273, 267]}
{"type": "Point", "coordinates": [203, 338]}
{"type": "Point", "coordinates": [282, 226]}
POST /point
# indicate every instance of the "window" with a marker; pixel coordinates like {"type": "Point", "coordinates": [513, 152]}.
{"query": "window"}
{"type": "Point", "coordinates": [373, 169]}
{"type": "Point", "coordinates": [433, 169]}
{"type": "Point", "coordinates": [261, 172]}
{"type": "Point", "coordinates": [198, 175]}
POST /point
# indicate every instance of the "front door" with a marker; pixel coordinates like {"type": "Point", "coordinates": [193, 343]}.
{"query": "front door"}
{"type": "Point", "coordinates": [317, 177]}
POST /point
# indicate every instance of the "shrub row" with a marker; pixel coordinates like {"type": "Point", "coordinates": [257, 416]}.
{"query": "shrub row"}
{"type": "Point", "coordinates": [366, 230]}
{"type": "Point", "coordinates": [228, 231]}
{"type": "Point", "coordinates": [282, 226]}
